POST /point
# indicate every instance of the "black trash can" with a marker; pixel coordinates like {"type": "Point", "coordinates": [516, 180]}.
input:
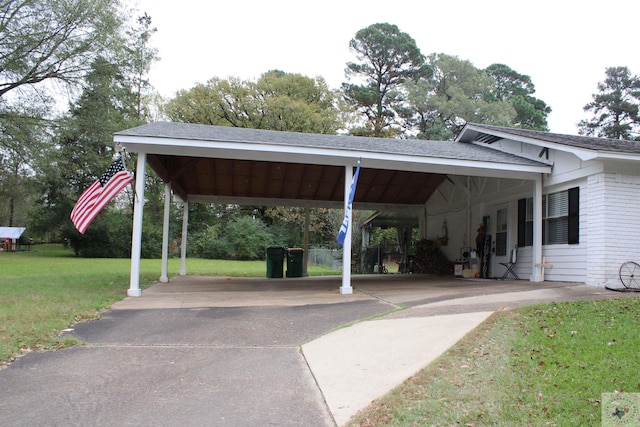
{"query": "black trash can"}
{"type": "Point", "coordinates": [275, 262]}
{"type": "Point", "coordinates": [295, 258]}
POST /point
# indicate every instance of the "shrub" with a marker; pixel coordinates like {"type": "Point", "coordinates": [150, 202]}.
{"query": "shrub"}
{"type": "Point", "coordinates": [248, 238]}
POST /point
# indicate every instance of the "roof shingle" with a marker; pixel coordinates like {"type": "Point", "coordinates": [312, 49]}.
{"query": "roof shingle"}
{"type": "Point", "coordinates": [411, 147]}
{"type": "Point", "coordinates": [583, 142]}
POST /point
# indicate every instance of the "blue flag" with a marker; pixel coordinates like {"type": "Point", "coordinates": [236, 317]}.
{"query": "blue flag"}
{"type": "Point", "coordinates": [347, 214]}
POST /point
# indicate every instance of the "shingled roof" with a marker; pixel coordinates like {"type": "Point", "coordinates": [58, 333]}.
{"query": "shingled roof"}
{"type": "Point", "coordinates": [583, 142]}
{"type": "Point", "coordinates": [433, 149]}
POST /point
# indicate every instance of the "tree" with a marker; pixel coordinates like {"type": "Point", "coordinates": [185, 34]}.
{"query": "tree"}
{"type": "Point", "coordinates": [110, 101]}
{"type": "Point", "coordinates": [276, 101]}
{"type": "Point", "coordinates": [85, 140]}
{"type": "Point", "coordinates": [139, 57]}
{"type": "Point", "coordinates": [517, 89]}
{"type": "Point", "coordinates": [41, 43]}
{"type": "Point", "coordinates": [388, 58]}
{"type": "Point", "coordinates": [457, 93]}
{"type": "Point", "coordinates": [47, 46]}
{"type": "Point", "coordinates": [22, 153]}
{"type": "Point", "coordinates": [615, 106]}
{"type": "Point", "coordinates": [44, 40]}
{"type": "Point", "coordinates": [248, 238]}
{"type": "Point", "coordinates": [291, 221]}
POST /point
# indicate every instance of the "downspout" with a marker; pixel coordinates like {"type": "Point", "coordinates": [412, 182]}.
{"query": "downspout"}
{"type": "Point", "coordinates": [136, 237]}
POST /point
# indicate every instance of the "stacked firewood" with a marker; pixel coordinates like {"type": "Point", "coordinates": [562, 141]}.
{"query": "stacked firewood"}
{"type": "Point", "coordinates": [430, 260]}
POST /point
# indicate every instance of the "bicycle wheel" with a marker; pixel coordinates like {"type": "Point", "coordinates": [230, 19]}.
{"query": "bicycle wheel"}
{"type": "Point", "coordinates": [630, 275]}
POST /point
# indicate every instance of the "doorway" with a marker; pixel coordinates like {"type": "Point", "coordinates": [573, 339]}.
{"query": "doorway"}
{"type": "Point", "coordinates": [501, 243]}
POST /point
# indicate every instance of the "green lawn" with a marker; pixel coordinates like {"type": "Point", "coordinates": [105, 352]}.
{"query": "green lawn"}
{"type": "Point", "coordinates": [45, 290]}
{"type": "Point", "coordinates": [543, 365]}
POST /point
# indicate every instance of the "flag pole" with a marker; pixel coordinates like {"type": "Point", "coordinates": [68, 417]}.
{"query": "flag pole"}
{"type": "Point", "coordinates": [344, 235]}
{"type": "Point", "coordinates": [122, 152]}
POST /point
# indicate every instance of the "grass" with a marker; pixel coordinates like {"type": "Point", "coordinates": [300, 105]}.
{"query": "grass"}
{"type": "Point", "coordinates": [45, 290]}
{"type": "Point", "coordinates": [543, 365]}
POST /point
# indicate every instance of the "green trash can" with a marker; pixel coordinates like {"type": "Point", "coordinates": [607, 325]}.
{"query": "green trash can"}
{"type": "Point", "coordinates": [294, 262]}
{"type": "Point", "coordinates": [275, 262]}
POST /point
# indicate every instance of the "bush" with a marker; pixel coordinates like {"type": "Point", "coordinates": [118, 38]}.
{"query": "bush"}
{"type": "Point", "coordinates": [151, 241]}
{"type": "Point", "coordinates": [208, 244]}
{"type": "Point", "coordinates": [243, 238]}
{"type": "Point", "coordinates": [108, 236]}
{"type": "Point", "coordinates": [248, 238]}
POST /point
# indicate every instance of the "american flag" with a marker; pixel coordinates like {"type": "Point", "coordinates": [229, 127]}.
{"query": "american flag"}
{"type": "Point", "coordinates": [95, 198]}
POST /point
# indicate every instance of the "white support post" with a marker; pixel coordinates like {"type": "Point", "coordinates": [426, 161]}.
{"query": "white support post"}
{"type": "Point", "coordinates": [136, 237]}
{"type": "Point", "coordinates": [346, 287]}
{"type": "Point", "coordinates": [536, 275]}
{"type": "Point", "coordinates": [164, 275]}
{"type": "Point", "coordinates": [183, 244]}
{"type": "Point", "coordinates": [468, 233]}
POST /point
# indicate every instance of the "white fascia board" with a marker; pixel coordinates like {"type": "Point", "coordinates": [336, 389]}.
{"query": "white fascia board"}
{"type": "Point", "coordinates": [584, 154]}
{"type": "Point", "coordinates": [225, 149]}
{"type": "Point", "coordinates": [231, 150]}
{"type": "Point", "coordinates": [572, 175]}
{"type": "Point", "coordinates": [618, 156]}
{"type": "Point", "coordinates": [453, 166]}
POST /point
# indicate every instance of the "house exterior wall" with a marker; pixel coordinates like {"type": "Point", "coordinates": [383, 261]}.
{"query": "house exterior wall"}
{"type": "Point", "coordinates": [569, 261]}
{"type": "Point", "coordinates": [613, 226]}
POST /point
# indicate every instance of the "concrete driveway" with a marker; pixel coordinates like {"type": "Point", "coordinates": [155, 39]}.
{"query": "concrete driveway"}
{"type": "Point", "coordinates": [236, 352]}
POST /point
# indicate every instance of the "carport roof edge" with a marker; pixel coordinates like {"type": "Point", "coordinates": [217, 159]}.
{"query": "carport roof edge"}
{"type": "Point", "coordinates": [196, 136]}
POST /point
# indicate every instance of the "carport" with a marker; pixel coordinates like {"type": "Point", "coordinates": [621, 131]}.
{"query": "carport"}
{"type": "Point", "coordinates": [214, 164]}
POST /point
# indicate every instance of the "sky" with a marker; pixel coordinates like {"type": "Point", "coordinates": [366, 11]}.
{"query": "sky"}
{"type": "Point", "coordinates": [565, 46]}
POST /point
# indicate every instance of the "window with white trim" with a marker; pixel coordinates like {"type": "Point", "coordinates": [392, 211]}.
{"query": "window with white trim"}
{"type": "Point", "coordinates": [560, 219]}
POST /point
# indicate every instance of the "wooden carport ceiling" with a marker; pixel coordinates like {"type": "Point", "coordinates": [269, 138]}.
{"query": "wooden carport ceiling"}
{"type": "Point", "coordinates": [267, 181]}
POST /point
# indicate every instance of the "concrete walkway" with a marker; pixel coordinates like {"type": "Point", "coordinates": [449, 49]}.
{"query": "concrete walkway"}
{"type": "Point", "coordinates": [288, 352]}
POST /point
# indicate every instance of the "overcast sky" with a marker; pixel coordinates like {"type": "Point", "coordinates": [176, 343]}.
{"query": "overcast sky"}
{"type": "Point", "coordinates": [563, 45]}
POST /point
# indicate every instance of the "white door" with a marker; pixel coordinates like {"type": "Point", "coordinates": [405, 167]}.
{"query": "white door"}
{"type": "Point", "coordinates": [501, 242]}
